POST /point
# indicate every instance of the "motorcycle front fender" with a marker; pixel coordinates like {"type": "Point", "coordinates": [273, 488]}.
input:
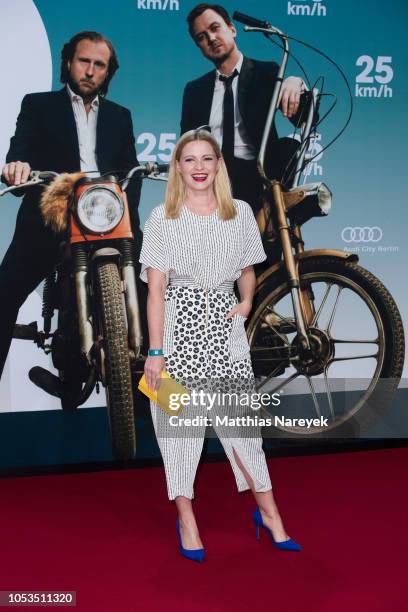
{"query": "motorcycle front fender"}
{"type": "Point", "coordinates": [106, 253]}
{"type": "Point", "coordinates": [310, 254]}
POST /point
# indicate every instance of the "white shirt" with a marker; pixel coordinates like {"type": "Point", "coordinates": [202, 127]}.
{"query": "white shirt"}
{"type": "Point", "coordinates": [86, 130]}
{"type": "Point", "coordinates": [243, 147]}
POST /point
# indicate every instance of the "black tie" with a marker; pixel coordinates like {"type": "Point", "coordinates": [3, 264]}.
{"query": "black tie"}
{"type": "Point", "coordinates": [228, 124]}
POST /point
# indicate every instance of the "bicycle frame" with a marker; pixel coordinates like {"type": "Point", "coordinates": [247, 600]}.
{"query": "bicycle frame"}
{"type": "Point", "coordinates": [278, 199]}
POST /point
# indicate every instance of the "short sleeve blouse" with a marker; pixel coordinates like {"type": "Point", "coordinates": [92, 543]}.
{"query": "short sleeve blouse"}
{"type": "Point", "coordinates": [206, 249]}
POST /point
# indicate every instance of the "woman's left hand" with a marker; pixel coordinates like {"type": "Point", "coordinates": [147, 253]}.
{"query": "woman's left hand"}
{"type": "Point", "coordinates": [243, 308]}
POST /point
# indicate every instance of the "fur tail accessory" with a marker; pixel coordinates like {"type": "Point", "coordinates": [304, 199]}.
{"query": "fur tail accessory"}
{"type": "Point", "coordinates": [54, 200]}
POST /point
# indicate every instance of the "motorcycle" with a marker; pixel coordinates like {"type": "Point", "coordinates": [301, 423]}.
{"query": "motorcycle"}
{"type": "Point", "coordinates": [300, 326]}
{"type": "Point", "coordinates": [98, 337]}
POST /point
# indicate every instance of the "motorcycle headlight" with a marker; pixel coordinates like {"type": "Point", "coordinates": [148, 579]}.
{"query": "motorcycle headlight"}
{"type": "Point", "coordinates": [100, 209]}
{"type": "Point", "coordinates": [310, 200]}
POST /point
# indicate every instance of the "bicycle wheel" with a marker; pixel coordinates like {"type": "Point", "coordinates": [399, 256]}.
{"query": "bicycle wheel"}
{"type": "Point", "coordinates": [357, 348]}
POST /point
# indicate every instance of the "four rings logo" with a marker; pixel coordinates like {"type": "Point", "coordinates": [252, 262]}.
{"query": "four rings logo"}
{"type": "Point", "coordinates": [361, 234]}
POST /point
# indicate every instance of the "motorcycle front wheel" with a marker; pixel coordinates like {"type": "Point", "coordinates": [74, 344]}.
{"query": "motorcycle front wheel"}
{"type": "Point", "coordinates": [116, 361]}
{"type": "Point", "coordinates": [357, 349]}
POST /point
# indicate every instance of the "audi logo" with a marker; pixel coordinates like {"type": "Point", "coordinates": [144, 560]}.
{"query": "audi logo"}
{"type": "Point", "coordinates": [361, 234]}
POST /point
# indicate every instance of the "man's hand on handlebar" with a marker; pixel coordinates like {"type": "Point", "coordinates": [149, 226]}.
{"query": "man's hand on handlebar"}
{"type": "Point", "coordinates": [290, 93]}
{"type": "Point", "coordinates": [16, 173]}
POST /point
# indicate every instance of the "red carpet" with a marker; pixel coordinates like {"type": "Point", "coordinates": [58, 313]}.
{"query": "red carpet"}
{"type": "Point", "coordinates": [110, 536]}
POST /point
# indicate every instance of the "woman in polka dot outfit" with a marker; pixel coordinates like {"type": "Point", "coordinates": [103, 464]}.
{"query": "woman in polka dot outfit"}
{"type": "Point", "coordinates": [195, 246]}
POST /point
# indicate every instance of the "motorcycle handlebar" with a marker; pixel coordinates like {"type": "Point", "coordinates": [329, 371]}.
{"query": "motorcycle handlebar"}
{"type": "Point", "coordinates": [250, 21]}
{"type": "Point", "coordinates": [39, 178]}
{"type": "Point", "coordinates": [36, 178]}
{"type": "Point", "coordinates": [149, 170]}
{"type": "Point", "coordinates": [162, 168]}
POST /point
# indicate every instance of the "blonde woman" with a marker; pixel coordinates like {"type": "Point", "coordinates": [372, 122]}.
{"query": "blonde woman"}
{"type": "Point", "coordinates": [195, 246]}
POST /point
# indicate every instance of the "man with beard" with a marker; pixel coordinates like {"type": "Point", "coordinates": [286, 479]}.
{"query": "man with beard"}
{"type": "Point", "coordinates": [234, 101]}
{"type": "Point", "coordinates": [69, 130]}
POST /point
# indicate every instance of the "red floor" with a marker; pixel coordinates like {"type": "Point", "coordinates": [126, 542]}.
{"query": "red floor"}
{"type": "Point", "coordinates": [110, 536]}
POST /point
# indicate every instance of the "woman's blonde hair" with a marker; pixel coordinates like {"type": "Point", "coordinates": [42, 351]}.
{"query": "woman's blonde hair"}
{"type": "Point", "coordinates": [176, 191]}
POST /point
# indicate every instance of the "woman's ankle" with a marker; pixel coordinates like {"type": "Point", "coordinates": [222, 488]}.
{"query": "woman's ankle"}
{"type": "Point", "coordinates": [271, 514]}
{"type": "Point", "coordinates": [187, 520]}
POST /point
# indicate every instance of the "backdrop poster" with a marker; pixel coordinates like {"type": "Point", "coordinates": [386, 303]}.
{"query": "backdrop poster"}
{"type": "Point", "coordinates": [364, 168]}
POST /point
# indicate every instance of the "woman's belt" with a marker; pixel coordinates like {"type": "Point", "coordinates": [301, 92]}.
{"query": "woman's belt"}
{"type": "Point", "coordinates": [185, 281]}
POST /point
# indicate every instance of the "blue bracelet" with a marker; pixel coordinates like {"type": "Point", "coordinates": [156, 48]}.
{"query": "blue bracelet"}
{"type": "Point", "coordinates": [155, 353]}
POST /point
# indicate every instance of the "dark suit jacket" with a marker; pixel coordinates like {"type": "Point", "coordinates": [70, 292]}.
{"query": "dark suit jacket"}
{"type": "Point", "coordinates": [255, 87]}
{"type": "Point", "coordinates": [46, 137]}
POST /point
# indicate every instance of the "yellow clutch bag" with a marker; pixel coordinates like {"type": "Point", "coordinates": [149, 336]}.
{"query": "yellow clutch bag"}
{"type": "Point", "coordinates": [170, 396]}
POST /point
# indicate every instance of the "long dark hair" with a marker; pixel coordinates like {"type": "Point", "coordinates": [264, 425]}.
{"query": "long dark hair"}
{"type": "Point", "coordinates": [68, 52]}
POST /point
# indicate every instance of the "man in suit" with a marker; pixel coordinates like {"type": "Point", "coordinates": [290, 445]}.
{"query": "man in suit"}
{"type": "Point", "coordinates": [69, 130]}
{"type": "Point", "coordinates": [249, 85]}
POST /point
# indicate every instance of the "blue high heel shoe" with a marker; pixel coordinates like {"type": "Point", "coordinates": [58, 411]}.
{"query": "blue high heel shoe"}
{"type": "Point", "coordinates": [194, 555]}
{"type": "Point", "coordinates": [285, 545]}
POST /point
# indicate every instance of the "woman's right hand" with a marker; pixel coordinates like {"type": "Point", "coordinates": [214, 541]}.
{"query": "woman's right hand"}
{"type": "Point", "coordinates": [153, 367]}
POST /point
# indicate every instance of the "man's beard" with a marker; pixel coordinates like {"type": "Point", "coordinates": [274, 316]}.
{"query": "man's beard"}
{"type": "Point", "coordinates": [218, 61]}
{"type": "Point", "coordinates": [89, 95]}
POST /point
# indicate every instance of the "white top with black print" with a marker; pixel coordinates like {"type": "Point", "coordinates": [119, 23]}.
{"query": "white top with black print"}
{"type": "Point", "coordinates": [204, 248]}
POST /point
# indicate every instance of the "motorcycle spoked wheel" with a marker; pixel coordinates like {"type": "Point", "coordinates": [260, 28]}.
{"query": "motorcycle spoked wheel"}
{"type": "Point", "coordinates": [118, 376]}
{"type": "Point", "coordinates": [371, 309]}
